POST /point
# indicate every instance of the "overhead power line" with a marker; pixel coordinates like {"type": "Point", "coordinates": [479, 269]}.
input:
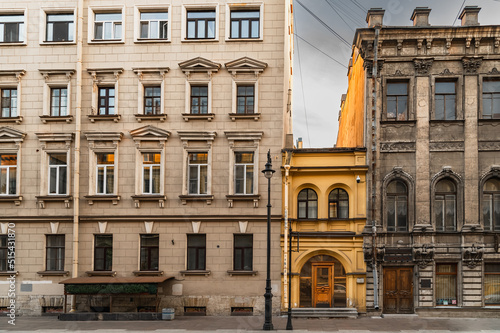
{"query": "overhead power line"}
{"type": "Point", "coordinates": [328, 2]}
{"type": "Point", "coordinates": [326, 54]}
{"type": "Point", "coordinates": [458, 14]}
{"type": "Point", "coordinates": [325, 25]}
{"type": "Point", "coordinates": [360, 6]}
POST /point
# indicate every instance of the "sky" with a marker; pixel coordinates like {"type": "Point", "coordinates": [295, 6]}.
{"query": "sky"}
{"type": "Point", "coordinates": [321, 56]}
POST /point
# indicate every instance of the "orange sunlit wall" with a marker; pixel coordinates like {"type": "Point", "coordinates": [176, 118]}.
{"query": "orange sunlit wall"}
{"type": "Point", "coordinates": [352, 112]}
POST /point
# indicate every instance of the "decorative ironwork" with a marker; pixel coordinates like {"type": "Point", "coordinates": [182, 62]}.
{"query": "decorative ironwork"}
{"type": "Point", "coordinates": [472, 256]}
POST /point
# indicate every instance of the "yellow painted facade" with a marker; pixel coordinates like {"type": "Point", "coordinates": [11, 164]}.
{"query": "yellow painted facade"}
{"type": "Point", "coordinates": [326, 235]}
{"type": "Point", "coordinates": [352, 109]}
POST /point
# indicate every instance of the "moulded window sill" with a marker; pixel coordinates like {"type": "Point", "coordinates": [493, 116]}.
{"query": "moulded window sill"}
{"type": "Point", "coordinates": [9, 273]}
{"type": "Point", "coordinates": [149, 197]}
{"type": "Point", "coordinates": [241, 272]}
{"type": "Point", "coordinates": [148, 273]}
{"type": "Point", "coordinates": [152, 40]}
{"type": "Point", "coordinates": [101, 273]}
{"type": "Point", "coordinates": [198, 40]}
{"type": "Point", "coordinates": [254, 116]}
{"type": "Point", "coordinates": [48, 119]}
{"type": "Point", "coordinates": [401, 122]}
{"type": "Point", "coordinates": [53, 273]}
{"type": "Point", "coordinates": [16, 120]}
{"type": "Point", "coordinates": [146, 117]}
{"type": "Point", "coordinates": [195, 272]}
{"type": "Point", "coordinates": [258, 39]}
{"type": "Point", "coordinates": [243, 197]}
{"type": "Point", "coordinates": [105, 117]}
{"type": "Point", "coordinates": [41, 200]}
{"type": "Point", "coordinates": [112, 197]}
{"type": "Point", "coordinates": [16, 199]}
{"type": "Point", "coordinates": [202, 116]}
{"type": "Point", "coordinates": [193, 197]}
{"type": "Point", "coordinates": [69, 42]}
{"type": "Point", "coordinates": [104, 41]}
{"type": "Point", "coordinates": [13, 44]}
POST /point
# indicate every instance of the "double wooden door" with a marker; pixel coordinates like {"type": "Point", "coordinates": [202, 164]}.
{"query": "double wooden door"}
{"type": "Point", "coordinates": [398, 290]}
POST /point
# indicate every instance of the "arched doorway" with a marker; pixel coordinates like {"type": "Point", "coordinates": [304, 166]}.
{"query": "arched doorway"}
{"type": "Point", "coordinates": [323, 283]}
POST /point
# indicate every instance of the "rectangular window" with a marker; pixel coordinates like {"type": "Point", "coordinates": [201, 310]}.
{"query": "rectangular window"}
{"type": "Point", "coordinates": [245, 24]}
{"type": "Point", "coordinates": [103, 252]}
{"type": "Point", "coordinates": [150, 247]}
{"type": "Point", "coordinates": [199, 99]}
{"type": "Point", "coordinates": [397, 101]}
{"type": "Point", "coordinates": [58, 173]}
{"type": "Point", "coordinates": [245, 99]}
{"type": "Point", "coordinates": [55, 253]}
{"type": "Point", "coordinates": [60, 27]}
{"type": "Point", "coordinates": [491, 99]}
{"type": "Point", "coordinates": [198, 173]}
{"type": "Point", "coordinates": [491, 284]}
{"type": "Point", "coordinates": [152, 100]}
{"type": "Point", "coordinates": [445, 100]}
{"type": "Point", "coordinates": [58, 102]}
{"type": "Point", "coordinates": [105, 173]}
{"type": "Point", "coordinates": [201, 24]}
{"type": "Point", "coordinates": [243, 252]}
{"type": "Point", "coordinates": [151, 173]}
{"type": "Point", "coordinates": [196, 252]}
{"type": "Point", "coordinates": [106, 101]}
{"type": "Point", "coordinates": [4, 250]}
{"type": "Point", "coordinates": [9, 102]}
{"type": "Point", "coordinates": [445, 212]}
{"type": "Point", "coordinates": [154, 25]}
{"type": "Point", "coordinates": [108, 26]}
{"type": "Point", "coordinates": [243, 173]}
{"type": "Point", "coordinates": [8, 174]}
{"type": "Point", "coordinates": [446, 284]}
{"type": "Point", "coordinates": [11, 28]}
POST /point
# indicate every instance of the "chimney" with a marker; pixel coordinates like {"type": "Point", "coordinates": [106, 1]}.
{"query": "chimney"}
{"type": "Point", "coordinates": [299, 143]}
{"type": "Point", "coordinates": [420, 17]}
{"type": "Point", "coordinates": [375, 17]}
{"type": "Point", "coordinates": [469, 15]}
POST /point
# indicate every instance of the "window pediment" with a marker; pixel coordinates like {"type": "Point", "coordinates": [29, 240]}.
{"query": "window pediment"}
{"type": "Point", "coordinates": [246, 65]}
{"type": "Point", "coordinates": [187, 136]}
{"type": "Point", "coordinates": [47, 138]}
{"type": "Point", "coordinates": [8, 134]}
{"type": "Point", "coordinates": [199, 64]}
{"type": "Point", "coordinates": [254, 136]}
{"type": "Point", "coordinates": [149, 133]}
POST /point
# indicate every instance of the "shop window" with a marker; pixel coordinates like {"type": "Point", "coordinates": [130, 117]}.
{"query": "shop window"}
{"type": "Point", "coordinates": [446, 284]}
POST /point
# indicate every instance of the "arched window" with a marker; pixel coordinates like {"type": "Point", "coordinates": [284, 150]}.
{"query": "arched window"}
{"type": "Point", "coordinates": [445, 206]}
{"type": "Point", "coordinates": [397, 206]}
{"type": "Point", "coordinates": [307, 203]}
{"type": "Point", "coordinates": [338, 204]}
{"type": "Point", "coordinates": [491, 204]}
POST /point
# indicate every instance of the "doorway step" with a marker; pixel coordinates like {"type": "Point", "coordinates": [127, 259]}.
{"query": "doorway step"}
{"type": "Point", "coordinates": [325, 312]}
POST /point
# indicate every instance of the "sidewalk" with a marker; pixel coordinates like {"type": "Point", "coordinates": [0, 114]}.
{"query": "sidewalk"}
{"type": "Point", "coordinates": [406, 324]}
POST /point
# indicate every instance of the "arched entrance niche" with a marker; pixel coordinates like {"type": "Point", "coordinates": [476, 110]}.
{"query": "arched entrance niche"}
{"type": "Point", "coordinates": [323, 283]}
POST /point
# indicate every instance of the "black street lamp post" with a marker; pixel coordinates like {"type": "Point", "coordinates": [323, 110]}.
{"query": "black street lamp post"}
{"type": "Point", "coordinates": [268, 322]}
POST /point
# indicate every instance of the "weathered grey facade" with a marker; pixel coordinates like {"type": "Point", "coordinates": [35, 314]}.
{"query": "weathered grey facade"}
{"type": "Point", "coordinates": [128, 126]}
{"type": "Point", "coordinates": [433, 149]}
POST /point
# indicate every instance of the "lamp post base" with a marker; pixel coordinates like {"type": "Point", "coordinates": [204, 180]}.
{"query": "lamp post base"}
{"type": "Point", "coordinates": [268, 320]}
{"type": "Point", "coordinates": [289, 326]}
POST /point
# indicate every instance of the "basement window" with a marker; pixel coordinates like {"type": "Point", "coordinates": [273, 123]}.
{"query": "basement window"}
{"type": "Point", "coordinates": [195, 310]}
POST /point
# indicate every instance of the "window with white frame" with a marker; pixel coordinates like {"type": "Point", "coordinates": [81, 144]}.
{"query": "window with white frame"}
{"type": "Point", "coordinates": [201, 24]}
{"type": "Point", "coordinates": [8, 174]}
{"type": "Point", "coordinates": [108, 26]}
{"type": "Point", "coordinates": [151, 171]}
{"type": "Point", "coordinates": [105, 171]}
{"type": "Point", "coordinates": [9, 102]}
{"type": "Point", "coordinates": [154, 25]}
{"type": "Point", "coordinates": [244, 21]}
{"type": "Point", "coordinates": [58, 167]}
{"type": "Point", "coordinates": [60, 27]}
{"type": "Point", "coordinates": [198, 172]}
{"type": "Point", "coordinates": [59, 101]}
{"type": "Point", "coordinates": [12, 28]}
{"type": "Point", "coordinates": [243, 172]}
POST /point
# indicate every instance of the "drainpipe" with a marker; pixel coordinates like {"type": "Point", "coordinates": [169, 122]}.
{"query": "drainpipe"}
{"type": "Point", "coordinates": [78, 129]}
{"type": "Point", "coordinates": [374, 151]}
{"type": "Point", "coordinates": [286, 257]}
